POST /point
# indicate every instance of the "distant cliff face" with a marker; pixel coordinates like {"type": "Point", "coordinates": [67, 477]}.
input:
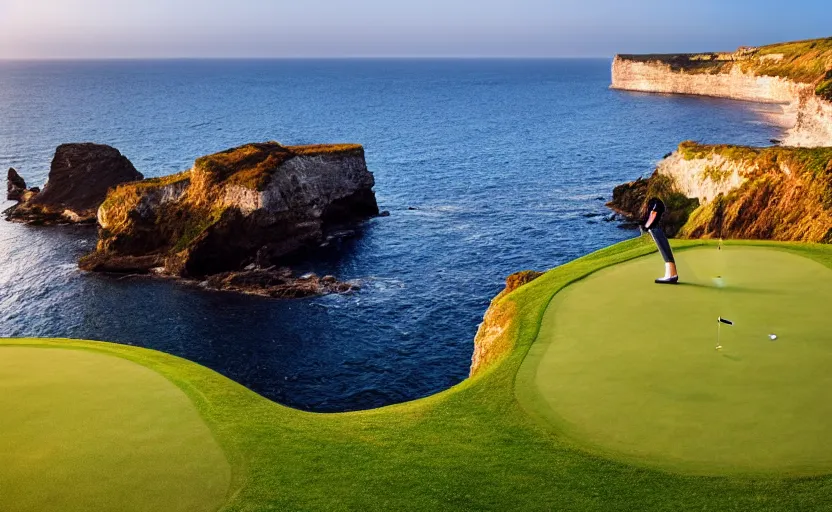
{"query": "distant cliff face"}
{"type": "Point", "coordinates": [753, 193]}
{"type": "Point", "coordinates": [255, 204]}
{"type": "Point", "coordinates": [797, 75]}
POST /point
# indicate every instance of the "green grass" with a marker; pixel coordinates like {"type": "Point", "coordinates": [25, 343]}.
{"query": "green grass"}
{"type": "Point", "coordinates": [473, 447]}
{"type": "Point", "coordinates": [80, 430]}
{"type": "Point", "coordinates": [630, 370]}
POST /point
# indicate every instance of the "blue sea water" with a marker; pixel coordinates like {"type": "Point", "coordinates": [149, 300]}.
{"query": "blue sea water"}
{"type": "Point", "coordinates": [504, 161]}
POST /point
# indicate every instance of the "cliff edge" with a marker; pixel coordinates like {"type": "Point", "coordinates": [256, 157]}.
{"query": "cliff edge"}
{"type": "Point", "coordinates": [796, 74]}
{"type": "Point", "coordinates": [776, 193]}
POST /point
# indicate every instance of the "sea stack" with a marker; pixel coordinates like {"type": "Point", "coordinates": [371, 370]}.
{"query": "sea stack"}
{"type": "Point", "coordinates": [15, 186]}
{"type": "Point", "coordinates": [249, 207]}
{"type": "Point", "coordinates": [79, 178]}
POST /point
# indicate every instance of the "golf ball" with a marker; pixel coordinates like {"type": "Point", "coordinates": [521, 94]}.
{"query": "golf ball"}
{"type": "Point", "coordinates": [772, 336]}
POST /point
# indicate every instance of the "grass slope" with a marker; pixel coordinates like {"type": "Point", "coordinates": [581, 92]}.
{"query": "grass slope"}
{"type": "Point", "coordinates": [472, 447]}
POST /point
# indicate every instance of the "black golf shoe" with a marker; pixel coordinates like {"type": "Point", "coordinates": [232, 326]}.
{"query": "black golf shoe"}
{"type": "Point", "coordinates": [668, 280]}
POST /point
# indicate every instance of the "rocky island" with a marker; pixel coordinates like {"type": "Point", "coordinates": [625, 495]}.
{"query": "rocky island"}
{"type": "Point", "coordinates": [777, 193]}
{"type": "Point", "coordinates": [237, 216]}
{"type": "Point", "coordinates": [79, 178]}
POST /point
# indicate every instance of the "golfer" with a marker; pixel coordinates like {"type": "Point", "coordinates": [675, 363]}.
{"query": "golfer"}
{"type": "Point", "coordinates": [655, 210]}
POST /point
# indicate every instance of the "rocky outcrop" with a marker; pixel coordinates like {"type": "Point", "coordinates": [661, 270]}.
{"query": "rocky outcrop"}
{"type": "Point", "coordinates": [15, 186]}
{"type": "Point", "coordinates": [776, 193]}
{"type": "Point", "coordinates": [630, 200]}
{"type": "Point", "coordinates": [797, 75]}
{"type": "Point", "coordinates": [256, 205]}
{"type": "Point", "coordinates": [79, 178]}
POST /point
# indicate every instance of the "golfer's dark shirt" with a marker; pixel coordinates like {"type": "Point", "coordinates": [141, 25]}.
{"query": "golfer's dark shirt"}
{"type": "Point", "coordinates": [654, 205]}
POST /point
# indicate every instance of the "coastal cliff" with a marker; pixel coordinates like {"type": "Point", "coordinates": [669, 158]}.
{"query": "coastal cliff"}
{"type": "Point", "coordinates": [250, 207]}
{"type": "Point", "coordinates": [774, 193]}
{"type": "Point", "coordinates": [797, 75]}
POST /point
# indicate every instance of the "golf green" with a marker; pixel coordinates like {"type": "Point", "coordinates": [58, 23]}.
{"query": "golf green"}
{"type": "Point", "coordinates": [83, 430]}
{"type": "Point", "coordinates": [629, 369]}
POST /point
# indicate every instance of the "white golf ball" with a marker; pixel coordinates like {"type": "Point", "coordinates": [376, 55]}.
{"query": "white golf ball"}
{"type": "Point", "coordinates": [772, 336]}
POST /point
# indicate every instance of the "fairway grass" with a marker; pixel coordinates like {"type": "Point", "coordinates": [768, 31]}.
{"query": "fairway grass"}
{"type": "Point", "coordinates": [630, 369]}
{"type": "Point", "coordinates": [81, 430]}
{"type": "Point", "coordinates": [485, 444]}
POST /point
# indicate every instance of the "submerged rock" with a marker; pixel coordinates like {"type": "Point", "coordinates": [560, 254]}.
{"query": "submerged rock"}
{"type": "Point", "coordinates": [254, 206]}
{"type": "Point", "coordinates": [277, 283]}
{"type": "Point", "coordinates": [79, 178]}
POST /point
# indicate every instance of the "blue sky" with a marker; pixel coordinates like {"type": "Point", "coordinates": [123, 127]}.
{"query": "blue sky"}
{"type": "Point", "coordinates": [448, 28]}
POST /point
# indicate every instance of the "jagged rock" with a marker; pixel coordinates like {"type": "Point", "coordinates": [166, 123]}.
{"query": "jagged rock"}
{"type": "Point", "coordinates": [277, 283]}
{"type": "Point", "coordinates": [261, 204]}
{"type": "Point", "coordinates": [15, 186]}
{"type": "Point", "coordinates": [630, 199]}
{"type": "Point", "coordinates": [79, 178]}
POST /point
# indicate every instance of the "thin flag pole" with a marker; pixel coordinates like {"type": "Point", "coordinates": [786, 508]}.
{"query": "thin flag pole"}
{"type": "Point", "coordinates": [719, 322]}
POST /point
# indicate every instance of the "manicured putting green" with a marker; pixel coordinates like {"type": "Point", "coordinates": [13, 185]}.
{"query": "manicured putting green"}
{"type": "Point", "coordinates": [629, 369]}
{"type": "Point", "coordinates": [87, 431]}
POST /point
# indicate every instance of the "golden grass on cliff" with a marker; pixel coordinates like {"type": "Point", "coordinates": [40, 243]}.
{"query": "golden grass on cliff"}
{"type": "Point", "coordinates": [251, 165]}
{"type": "Point", "coordinates": [807, 61]}
{"type": "Point", "coordinates": [787, 195]}
{"type": "Point", "coordinates": [801, 61]}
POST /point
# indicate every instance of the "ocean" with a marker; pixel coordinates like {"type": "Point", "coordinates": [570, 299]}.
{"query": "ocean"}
{"type": "Point", "coordinates": [488, 167]}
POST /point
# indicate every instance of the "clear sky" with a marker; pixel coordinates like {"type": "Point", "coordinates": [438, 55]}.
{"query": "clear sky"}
{"type": "Point", "coordinates": [352, 28]}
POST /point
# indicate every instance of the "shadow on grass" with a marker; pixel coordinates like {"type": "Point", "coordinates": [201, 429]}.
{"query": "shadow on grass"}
{"type": "Point", "coordinates": [731, 289]}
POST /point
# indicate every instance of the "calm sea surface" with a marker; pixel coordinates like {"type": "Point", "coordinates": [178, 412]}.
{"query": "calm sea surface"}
{"type": "Point", "coordinates": [504, 161]}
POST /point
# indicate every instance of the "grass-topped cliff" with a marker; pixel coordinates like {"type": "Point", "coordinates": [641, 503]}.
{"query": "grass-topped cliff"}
{"type": "Point", "coordinates": [252, 204]}
{"type": "Point", "coordinates": [807, 62]}
{"type": "Point", "coordinates": [797, 75]}
{"type": "Point", "coordinates": [775, 193]}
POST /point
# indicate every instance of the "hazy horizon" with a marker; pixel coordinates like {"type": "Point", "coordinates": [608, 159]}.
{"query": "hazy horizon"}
{"type": "Point", "coordinates": [259, 29]}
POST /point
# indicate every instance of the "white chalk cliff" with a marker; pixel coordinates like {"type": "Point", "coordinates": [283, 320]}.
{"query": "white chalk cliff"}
{"type": "Point", "coordinates": [809, 117]}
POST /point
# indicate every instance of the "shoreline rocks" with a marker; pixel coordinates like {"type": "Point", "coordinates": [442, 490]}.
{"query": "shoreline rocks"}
{"type": "Point", "coordinates": [79, 178]}
{"type": "Point", "coordinates": [278, 284]}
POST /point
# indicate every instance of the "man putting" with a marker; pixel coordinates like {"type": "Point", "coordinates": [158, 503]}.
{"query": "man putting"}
{"type": "Point", "coordinates": [655, 209]}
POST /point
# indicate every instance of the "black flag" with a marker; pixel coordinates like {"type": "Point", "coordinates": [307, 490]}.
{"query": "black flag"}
{"type": "Point", "coordinates": [725, 321]}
